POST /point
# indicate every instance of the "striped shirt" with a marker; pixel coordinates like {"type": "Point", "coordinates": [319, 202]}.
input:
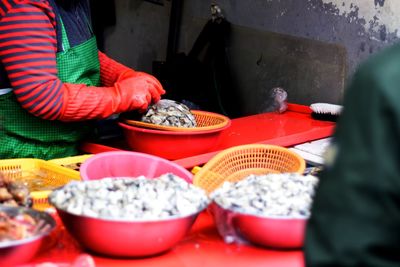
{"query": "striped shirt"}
{"type": "Point", "coordinates": [28, 46]}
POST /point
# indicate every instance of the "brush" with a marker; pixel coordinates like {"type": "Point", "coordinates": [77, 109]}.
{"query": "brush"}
{"type": "Point", "coordinates": [325, 111]}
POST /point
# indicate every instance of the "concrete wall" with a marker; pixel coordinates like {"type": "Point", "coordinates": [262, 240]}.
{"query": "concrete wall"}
{"type": "Point", "coordinates": [140, 34]}
{"type": "Point", "coordinates": [309, 47]}
{"type": "Point", "coordinates": [346, 31]}
{"type": "Point", "coordinates": [362, 26]}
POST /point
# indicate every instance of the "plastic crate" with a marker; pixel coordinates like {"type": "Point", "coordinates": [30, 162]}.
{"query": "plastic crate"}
{"type": "Point", "coordinates": [50, 176]}
{"type": "Point", "coordinates": [68, 161]}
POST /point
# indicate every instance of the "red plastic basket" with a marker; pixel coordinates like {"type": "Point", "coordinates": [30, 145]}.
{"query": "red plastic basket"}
{"type": "Point", "coordinates": [205, 121]}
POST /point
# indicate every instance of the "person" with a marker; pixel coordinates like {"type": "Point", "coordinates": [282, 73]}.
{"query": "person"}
{"type": "Point", "coordinates": [54, 81]}
{"type": "Point", "coordinates": [355, 216]}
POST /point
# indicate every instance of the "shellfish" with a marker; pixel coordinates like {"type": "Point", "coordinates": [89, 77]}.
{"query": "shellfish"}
{"type": "Point", "coordinates": [287, 194]}
{"type": "Point", "coordinates": [169, 113]}
{"type": "Point", "coordinates": [131, 199]}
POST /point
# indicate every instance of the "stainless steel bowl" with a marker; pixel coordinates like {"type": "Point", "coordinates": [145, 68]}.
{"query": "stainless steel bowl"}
{"type": "Point", "coordinates": [17, 252]}
{"type": "Point", "coordinates": [274, 232]}
{"type": "Point", "coordinates": [123, 238]}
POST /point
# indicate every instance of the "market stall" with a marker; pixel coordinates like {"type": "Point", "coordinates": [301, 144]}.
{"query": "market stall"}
{"type": "Point", "coordinates": [128, 141]}
{"type": "Point", "coordinates": [295, 126]}
{"type": "Point", "coordinates": [203, 245]}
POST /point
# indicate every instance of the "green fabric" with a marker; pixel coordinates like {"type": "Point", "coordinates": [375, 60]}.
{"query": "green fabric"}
{"type": "Point", "coordinates": [355, 217]}
{"type": "Point", "coordinates": [79, 64]}
{"type": "Point", "coordinates": [24, 135]}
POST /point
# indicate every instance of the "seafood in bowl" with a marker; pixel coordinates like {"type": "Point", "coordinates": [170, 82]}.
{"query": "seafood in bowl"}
{"type": "Point", "coordinates": [268, 210]}
{"type": "Point", "coordinates": [169, 113]}
{"type": "Point", "coordinates": [140, 198]}
{"type": "Point", "coordinates": [128, 217]}
{"type": "Point", "coordinates": [14, 193]}
{"type": "Point", "coordinates": [22, 232]}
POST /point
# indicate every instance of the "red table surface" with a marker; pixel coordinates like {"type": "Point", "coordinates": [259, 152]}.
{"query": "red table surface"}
{"type": "Point", "coordinates": [295, 126]}
{"type": "Point", "coordinates": [201, 247]}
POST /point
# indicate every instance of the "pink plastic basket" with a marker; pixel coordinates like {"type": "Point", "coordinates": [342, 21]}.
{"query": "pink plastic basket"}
{"type": "Point", "coordinates": [130, 164]}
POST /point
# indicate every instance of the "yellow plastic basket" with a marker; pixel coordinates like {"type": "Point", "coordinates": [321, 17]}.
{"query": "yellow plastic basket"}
{"type": "Point", "coordinates": [40, 176]}
{"type": "Point", "coordinates": [69, 161]}
{"type": "Point", "coordinates": [205, 121]}
{"type": "Point", "coordinates": [236, 163]}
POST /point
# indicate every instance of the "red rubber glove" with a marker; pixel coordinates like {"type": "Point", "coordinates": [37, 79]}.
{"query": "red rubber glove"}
{"type": "Point", "coordinates": [88, 102]}
{"type": "Point", "coordinates": [143, 87]}
{"type": "Point", "coordinates": [112, 72]}
{"type": "Point", "coordinates": [155, 86]}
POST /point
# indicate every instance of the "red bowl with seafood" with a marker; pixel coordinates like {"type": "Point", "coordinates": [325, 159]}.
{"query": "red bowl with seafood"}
{"type": "Point", "coordinates": [172, 144]}
{"type": "Point", "coordinates": [129, 217]}
{"type": "Point", "coordinates": [278, 232]}
{"type": "Point", "coordinates": [23, 231]}
{"type": "Point", "coordinates": [270, 210]}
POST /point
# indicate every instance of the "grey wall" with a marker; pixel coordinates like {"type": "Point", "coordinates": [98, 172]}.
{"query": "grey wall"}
{"type": "Point", "coordinates": [361, 26]}
{"type": "Point", "coordinates": [140, 34]}
{"type": "Point", "coordinates": [309, 47]}
{"type": "Point", "coordinates": [322, 41]}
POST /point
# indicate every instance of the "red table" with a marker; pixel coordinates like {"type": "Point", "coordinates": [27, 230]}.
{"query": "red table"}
{"type": "Point", "coordinates": [202, 247]}
{"type": "Point", "coordinates": [295, 126]}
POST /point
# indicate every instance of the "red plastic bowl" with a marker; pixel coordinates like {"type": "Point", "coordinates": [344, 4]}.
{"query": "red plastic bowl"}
{"type": "Point", "coordinates": [171, 145]}
{"type": "Point", "coordinates": [130, 164]}
{"type": "Point", "coordinates": [273, 232]}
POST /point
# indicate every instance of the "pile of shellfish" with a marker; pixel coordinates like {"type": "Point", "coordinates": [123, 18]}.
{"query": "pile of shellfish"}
{"type": "Point", "coordinates": [14, 193]}
{"type": "Point", "coordinates": [131, 198]}
{"type": "Point", "coordinates": [287, 194]}
{"type": "Point", "coordinates": [169, 113]}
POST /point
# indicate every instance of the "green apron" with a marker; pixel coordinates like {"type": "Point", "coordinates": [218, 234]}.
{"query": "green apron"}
{"type": "Point", "coordinates": [22, 135]}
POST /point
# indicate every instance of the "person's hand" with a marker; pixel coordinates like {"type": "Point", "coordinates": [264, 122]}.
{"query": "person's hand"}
{"type": "Point", "coordinates": [150, 78]}
{"type": "Point", "coordinates": [132, 92]}
{"type": "Point", "coordinates": [138, 92]}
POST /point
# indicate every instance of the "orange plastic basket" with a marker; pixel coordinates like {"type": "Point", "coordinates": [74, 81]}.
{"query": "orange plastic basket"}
{"type": "Point", "coordinates": [205, 121]}
{"type": "Point", "coordinates": [47, 175]}
{"type": "Point", "coordinates": [236, 163]}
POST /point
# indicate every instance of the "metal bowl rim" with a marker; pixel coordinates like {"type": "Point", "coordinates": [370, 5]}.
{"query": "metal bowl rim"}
{"type": "Point", "coordinates": [121, 220]}
{"type": "Point", "coordinates": [271, 217]}
{"type": "Point", "coordinates": [13, 243]}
